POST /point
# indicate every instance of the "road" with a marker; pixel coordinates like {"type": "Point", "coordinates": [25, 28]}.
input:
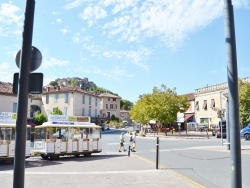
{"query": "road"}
{"type": "Point", "coordinates": [205, 161]}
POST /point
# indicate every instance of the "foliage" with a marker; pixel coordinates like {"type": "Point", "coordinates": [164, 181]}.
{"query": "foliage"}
{"type": "Point", "coordinates": [39, 119]}
{"type": "Point", "coordinates": [113, 118]}
{"type": "Point", "coordinates": [244, 102]}
{"type": "Point", "coordinates": [53, 83]}
{"type": "Point", "coordinates": [57, 111]}
{"type": "Point", "coordinates": [126, 105]}
{"type": "Point", "coordinates": [73, 82]}
{"type": "Point", "coordinates": [161, 105]}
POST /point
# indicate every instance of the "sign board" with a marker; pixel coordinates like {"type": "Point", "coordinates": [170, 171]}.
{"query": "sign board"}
{"type": "Point", "coordinates": [62, 118]}
{"type": "Point", "coordinates": [152, 122]}
{"type": "Point", "coordinates": [35, 83]}
{"type": "Point", "coordinates": [180, 117]}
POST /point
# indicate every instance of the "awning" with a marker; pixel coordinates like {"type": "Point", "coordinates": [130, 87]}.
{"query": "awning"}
{"type": "Point", "coordinates": [187, 116]}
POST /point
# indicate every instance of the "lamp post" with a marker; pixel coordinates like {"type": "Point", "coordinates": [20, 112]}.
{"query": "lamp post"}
{"type": "Point", "coordinates": [225, 94]}
{"type": "Point", "coordinates": [233, 95]}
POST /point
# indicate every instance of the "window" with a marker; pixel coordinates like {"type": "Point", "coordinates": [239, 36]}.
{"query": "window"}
{"type": "Point", "coordinates": [205, 105]}
{"type": "Point", "coordinates": [89, 100]}
{"type": "Point", "coordinates": [114, 99]}
{"type": "Point", "coordinates": [90, 112]}
{"type": "Point", "coordinates": [95, 101]}
{"type": "Point", "coordinates": [107, 106]}
{"type": "Point", "coordinates": [66, 97]}
{"type": "Point", "coordinates": [56, 97]}
{"type": "Point", "coordinates": [15, 107]}
{"type": "Point", "coordinates": [83, 111]}
{"type": "Point", "coordinates": [197, 105]}
{"type": "Point", "coordinates": [115, 106]}
{"type": "Point", "coordinates": [47, 99]}
{"type": "Point", "coordinates": [111, 106]}
{"type": "Point", "coordinates": [212, 103]}
{"type": "Point", "coordinates": [108, 99]}
{"type": "Point", "coordinates": [83, 99]}
{"type": "Point", "coordinates": [65, 111]}
{"type": "Point", "coordinates": [95, 112]}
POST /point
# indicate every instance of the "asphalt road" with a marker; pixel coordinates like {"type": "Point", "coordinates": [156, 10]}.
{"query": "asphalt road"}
{"type": "Point", "coordinates": [205, 161]}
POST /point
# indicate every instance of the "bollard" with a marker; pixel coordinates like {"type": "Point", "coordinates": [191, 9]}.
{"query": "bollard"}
{"type": "Point", "coordinates": [129, 151]}
{"type": "Point", "coordinates": [157, 151]}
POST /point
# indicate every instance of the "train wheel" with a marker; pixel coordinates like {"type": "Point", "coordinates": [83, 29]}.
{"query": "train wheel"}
{"type": "Point", "coordinates": [44, 156]}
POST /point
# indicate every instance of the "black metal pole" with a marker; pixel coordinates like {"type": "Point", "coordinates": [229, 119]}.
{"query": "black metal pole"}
{"type": "Point", "coordinates": [157, 151]}
{"type": "Point", "coordinates": [233, 96]}
{"type": "Point", "coordinates": [227, 126]}
{"type": "Point", "coordinates": [21, 122]}
{"type": "Point", "coordinates": [129, 150]}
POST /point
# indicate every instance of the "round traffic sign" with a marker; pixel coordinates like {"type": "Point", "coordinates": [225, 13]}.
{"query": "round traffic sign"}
{"type": "Point", "coordinates": [36, 59]}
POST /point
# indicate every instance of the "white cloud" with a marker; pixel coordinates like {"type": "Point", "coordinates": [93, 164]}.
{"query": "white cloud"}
{"type": "Point", "coordinates": [170, 21]}
{"type": "Point", "coordinates": [64, 31]}
{"type": "Point", "coordinates": [49, 61]}
{"type": "Point", "coordinates": [92, 14]}
{"type": "Point", "coordinates": [58, 20]}
{"type": "Point", "coordinates": [9, 16]}
{"type": "Point", "coordinates": [135, 57]}
{"type": "Point", "coordinates": [116, 72]}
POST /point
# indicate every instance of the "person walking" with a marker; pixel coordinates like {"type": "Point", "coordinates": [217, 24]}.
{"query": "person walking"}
{"type": "Point", "coordinates": [133, 142]}
{"type": "Point", "coordinates": [122, 142]}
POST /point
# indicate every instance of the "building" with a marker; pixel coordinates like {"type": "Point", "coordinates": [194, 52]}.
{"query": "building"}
{"type": "Point", "coordinates": [110, 105]}
{"type": "Point", "coordinates": [8, 100]}
{"type": "Point", "coordinates": [71, 100]}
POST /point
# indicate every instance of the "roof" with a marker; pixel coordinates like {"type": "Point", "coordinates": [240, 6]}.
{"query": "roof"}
{"type": "Point", "coordinates": [190, 96]}
{"type": "Point", "coordinates": [109, 95]}
{"type": "Point", "coordinates": [6, 88]}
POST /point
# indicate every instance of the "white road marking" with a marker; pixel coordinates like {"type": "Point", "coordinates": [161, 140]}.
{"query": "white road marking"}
{"type": "Point", "coordinates": [83, 173]}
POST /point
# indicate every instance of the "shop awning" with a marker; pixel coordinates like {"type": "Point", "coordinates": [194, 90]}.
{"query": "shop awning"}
{"type": "Point", "coordinates": [187, 116]}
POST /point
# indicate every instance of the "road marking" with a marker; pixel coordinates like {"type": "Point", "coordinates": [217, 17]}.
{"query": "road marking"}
{"type": "Point", "coordinates": [162, 167]}
{"type": "Point", "coordinates": [83, 173]}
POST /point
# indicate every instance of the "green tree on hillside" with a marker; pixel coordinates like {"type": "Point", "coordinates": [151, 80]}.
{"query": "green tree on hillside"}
{"type": "Point", "coordinates": [126, 105]}
{"type": "Point", "coordinates": [53, 83]}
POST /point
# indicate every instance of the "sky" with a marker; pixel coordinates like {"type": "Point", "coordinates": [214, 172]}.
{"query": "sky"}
{"type": "Point", "coordinates": [128, 46]}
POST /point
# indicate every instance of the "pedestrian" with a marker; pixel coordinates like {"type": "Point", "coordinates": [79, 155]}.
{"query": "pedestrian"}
{"type": "Point", "coordinates": [122, 142]}
{"type": "Point", "coordinates": [133, 142]}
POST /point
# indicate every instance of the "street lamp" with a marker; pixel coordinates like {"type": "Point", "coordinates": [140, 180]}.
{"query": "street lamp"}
{"type": "Point", "coordinates": [225, 94]}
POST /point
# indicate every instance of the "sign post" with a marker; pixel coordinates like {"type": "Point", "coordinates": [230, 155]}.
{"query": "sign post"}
{"type": "Point", "coordinates": [180, 119]}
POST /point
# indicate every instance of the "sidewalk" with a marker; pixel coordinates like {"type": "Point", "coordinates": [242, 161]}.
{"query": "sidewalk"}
{"type": "Point", "coordinates": [105, 170]}
{"type": "Point", "coordinates": [183, 134]}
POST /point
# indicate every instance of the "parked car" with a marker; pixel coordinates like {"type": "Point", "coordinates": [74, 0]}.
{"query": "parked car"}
{"type": "Point", "coordinates": [216, 131]}
{"type": "Point", "coordinates": [245, 132]}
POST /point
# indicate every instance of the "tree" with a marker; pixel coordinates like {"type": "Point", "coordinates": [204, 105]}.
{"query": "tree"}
{"type": "Point", "coordinates": [57, 111]}
{"type": "Point", "coordinates": [161, 105]}
{"type": "Point", "coordinates": [244, 102]}
{"type": "Point", "coordinates": [126, 105]}
{"type": "Point", "coordinates": [53, 83]}
{"type": "Point", "coordinates": [73, 82]}
{"type": "Point", "coordinates": [39, 119]}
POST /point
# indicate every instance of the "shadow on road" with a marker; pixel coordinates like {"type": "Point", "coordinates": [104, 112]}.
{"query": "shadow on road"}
{"type": "Point", "coordinates": [39, 162]}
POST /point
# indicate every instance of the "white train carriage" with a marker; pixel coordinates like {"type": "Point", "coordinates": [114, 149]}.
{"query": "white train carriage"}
{"type": "Point", "coordinates": [54, 139]}
{"type": "Point", "coordinates": [7, 141]}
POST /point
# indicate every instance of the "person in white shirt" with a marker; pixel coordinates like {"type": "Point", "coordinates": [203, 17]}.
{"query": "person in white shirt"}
{"type": "Point", "coordinates": [133, 142]}
{"type": "Point", "coordinates": [122, 142]}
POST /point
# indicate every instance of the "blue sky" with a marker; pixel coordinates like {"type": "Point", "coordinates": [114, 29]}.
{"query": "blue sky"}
{"type": "Point", "coordinates": [128, 46]}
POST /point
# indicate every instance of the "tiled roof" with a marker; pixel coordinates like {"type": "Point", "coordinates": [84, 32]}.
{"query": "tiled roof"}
{"type": "Point", "coordinates": [108, 95]}
{"type": "Point", "coordinates": [6, 88]}
{"type": "Point", "coordinates": [190, 96]}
